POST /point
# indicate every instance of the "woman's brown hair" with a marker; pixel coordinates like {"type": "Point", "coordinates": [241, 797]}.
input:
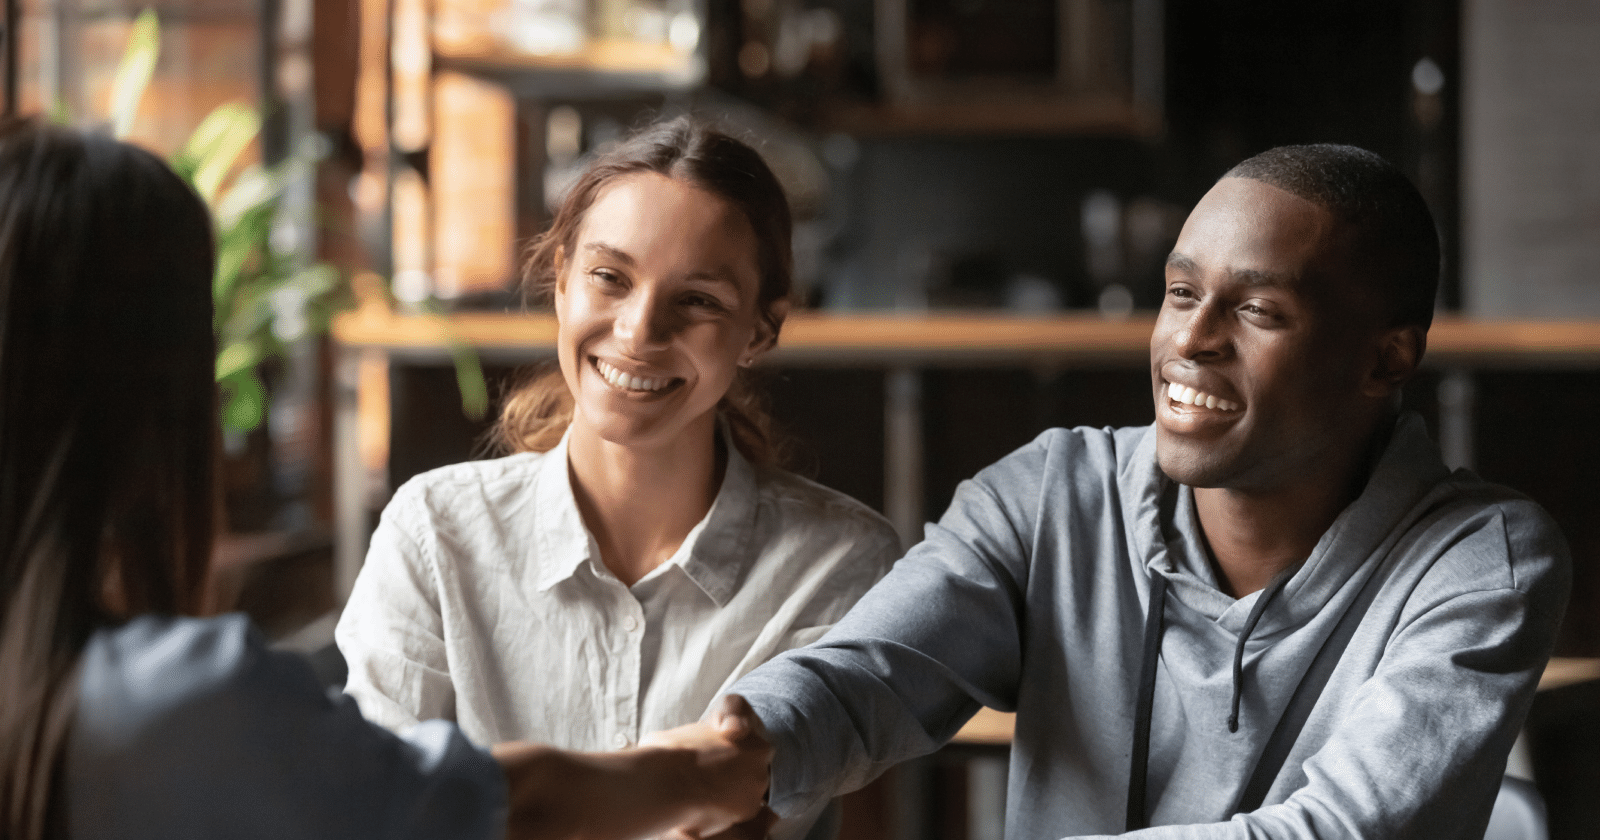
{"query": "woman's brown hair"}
{"type": "Point", "coordinates": [107, 411]}
{"type": "Point", "coordinates": [538, 412]}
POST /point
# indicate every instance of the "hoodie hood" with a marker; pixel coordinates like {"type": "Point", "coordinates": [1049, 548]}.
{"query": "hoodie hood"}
{"type": "Point", "coordinates": [1166, 531]}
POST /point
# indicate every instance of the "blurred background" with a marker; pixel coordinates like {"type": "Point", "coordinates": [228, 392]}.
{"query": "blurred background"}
{"type": "Point", "coordinates": [984, 190]}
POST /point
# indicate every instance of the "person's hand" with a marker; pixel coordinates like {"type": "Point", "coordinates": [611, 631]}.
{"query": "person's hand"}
{"type": "Point", "coordinates": [727, 784]}
{"type": "Point", "coordinates": [755, 828]}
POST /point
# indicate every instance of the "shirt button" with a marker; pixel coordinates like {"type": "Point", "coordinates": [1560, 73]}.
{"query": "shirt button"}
{"type": "Point", "coordinates": [619, 740]}
{"type": "Point", "coordinates": [630, 624]}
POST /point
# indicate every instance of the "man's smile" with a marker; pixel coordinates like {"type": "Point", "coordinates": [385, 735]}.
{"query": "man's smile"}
{"type": "Point", "coordinates": [1199, 399]}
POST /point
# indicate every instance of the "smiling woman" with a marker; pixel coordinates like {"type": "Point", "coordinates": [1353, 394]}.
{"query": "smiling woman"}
{"type": "Point", "coordinates": [639, 549]}
{"type": "Point", "coordinates": [694, 167]}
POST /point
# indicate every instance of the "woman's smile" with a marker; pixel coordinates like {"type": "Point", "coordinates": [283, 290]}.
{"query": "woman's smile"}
{"type": "Point", "coordinates": [635, 383]}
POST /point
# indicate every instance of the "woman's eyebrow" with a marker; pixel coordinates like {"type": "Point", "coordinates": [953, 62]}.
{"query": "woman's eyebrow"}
{"type": "Point", "coordinates": [720, 276]}
{"type": "Point", "coordinates": [609, 252]}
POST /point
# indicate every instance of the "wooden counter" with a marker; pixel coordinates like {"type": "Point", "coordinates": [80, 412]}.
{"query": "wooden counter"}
{"type": "Point", "coordinates": [959, 339]}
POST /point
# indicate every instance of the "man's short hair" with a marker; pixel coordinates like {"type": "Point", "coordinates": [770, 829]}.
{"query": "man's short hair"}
{"type": "Point", "coordinates": [1397, 244]}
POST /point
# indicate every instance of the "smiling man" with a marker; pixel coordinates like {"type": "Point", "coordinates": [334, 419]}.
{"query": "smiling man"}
{"type": "Point", "coordinates": [1273, 613]}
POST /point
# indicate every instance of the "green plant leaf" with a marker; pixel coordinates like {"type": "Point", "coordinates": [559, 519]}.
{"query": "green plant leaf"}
{"type": "Point", "coordinates": [215, 146]}
{"type": "Point", "coordinates": [252, 188]}
{"type": "Point", "coordinates": [237, 357]}
{"type": "Point", "coordinates": [241, 254]}
{"type": "Point", "coordinates": [134, 70]}
{"type": "Point", "coordinates": [469, 380]}
{"type": "Point", "coordinates": [469, 369]}
{"type": "Point", "coordinates": [244, 401]}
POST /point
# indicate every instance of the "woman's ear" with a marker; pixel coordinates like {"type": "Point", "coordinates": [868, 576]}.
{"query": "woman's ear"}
{"type": "Point", "coordinates": [766, 335]}
{"type": "Point", "coordinates": [1399, 353]}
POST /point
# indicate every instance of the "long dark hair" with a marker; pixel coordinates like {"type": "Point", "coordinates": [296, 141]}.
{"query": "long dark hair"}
{"type": "Point", "coordinates": [106, 417]}
{"type": "Point", "coordinates": [537, 413]}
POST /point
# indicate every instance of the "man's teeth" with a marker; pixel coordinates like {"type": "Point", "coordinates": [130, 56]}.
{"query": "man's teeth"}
{"type": "Point", "coordinates": [1189, 396]}
{"type": "Point", "coordinates": [628, 382]}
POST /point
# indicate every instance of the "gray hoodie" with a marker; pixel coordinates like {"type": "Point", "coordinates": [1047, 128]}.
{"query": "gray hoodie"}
{"type": "Point", "coordinates": [1030, 595]}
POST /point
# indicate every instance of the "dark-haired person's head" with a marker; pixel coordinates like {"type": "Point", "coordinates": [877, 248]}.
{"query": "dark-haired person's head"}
{"type": "Point", "coordinates": [1394, 243]}
{"type": "Point", "coordinates": [106, 420]}
{"type": "Point", "coordinates": [1298, 300]}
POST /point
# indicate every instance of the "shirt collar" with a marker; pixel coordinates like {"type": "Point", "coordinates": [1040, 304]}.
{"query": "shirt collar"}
{"type": "Point", "coordinates": [717, 559]}
{"type": "Point", "coordinates": [713, 554]}
{"type": "Point", "coordinates": [563, 542]}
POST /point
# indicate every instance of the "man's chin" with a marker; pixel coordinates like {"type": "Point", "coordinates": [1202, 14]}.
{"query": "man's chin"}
{"type": "Point", "coordinates": [1194, 469]}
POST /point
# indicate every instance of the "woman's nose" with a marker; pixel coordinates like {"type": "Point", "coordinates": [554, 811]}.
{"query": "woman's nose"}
{"type": "Point", "coordinates": [644, 322]}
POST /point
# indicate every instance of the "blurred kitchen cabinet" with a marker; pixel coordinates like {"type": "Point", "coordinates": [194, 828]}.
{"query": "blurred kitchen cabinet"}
{"type": "Point", "coordinates": [1021, 66]}
{"type": "Point", "coordinates": [452, 112]}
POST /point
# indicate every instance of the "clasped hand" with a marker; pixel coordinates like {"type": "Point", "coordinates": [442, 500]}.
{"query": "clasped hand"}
{"type": "Point", "coordinates": [728, 782]}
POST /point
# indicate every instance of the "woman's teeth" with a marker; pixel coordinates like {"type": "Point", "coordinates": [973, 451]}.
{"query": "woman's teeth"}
{"type": "Point", "coordinates": [1189, 396]}
{"type": "Point", "coordinates": [628, 382]}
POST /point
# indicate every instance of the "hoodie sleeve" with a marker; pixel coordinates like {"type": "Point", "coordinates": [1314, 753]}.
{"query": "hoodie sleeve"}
{"type": "Point", "coordinates": [918, 654]}
{"type": "Point", "coordinates": [1420, 747]}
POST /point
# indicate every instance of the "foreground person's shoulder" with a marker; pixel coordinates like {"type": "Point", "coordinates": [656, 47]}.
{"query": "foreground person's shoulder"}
{"type": "Point", "coordinates": [138, 680]}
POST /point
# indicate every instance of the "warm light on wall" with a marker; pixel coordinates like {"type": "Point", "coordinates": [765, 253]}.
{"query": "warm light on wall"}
{"type": "Point", "coordinates": [472, 163]}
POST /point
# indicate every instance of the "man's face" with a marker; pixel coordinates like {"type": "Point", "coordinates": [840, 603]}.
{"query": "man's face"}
{"type": "Point", "coordinates": [1260, 352]}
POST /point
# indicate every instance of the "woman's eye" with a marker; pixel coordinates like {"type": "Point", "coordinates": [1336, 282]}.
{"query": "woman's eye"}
{"type": "Point", "coordinates": [702, 302]}
{"type": "Point", "coordinates": [605, 276]}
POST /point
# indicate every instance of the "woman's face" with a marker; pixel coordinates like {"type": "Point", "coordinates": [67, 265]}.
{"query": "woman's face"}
{"type": "Point", "coordinates": [657, 309]}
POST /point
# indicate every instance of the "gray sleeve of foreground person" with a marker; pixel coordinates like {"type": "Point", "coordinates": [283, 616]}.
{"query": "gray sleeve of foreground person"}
{"type": "Point", "coordinates": [194, 728]}
{"type": "Point", "coordinates": [1030, 595]}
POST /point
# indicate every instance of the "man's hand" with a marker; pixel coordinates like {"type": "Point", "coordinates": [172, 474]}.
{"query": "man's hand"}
{"type": "Point", "coordinates": [727, 784]}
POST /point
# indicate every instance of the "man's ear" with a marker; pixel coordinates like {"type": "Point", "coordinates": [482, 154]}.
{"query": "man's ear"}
{"type": "Point", "coordinates": [1399, 352]}
{"type": "Point", "coordinates": [766, 335]}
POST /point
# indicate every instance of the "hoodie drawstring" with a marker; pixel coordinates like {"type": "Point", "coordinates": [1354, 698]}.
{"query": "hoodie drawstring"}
{"type": "Point", "coordinates": [1244, 635]}
{"type": "Point", "coordinates": [1138, 766]}
{"type": "Point", "coordinates": [1144, 709]}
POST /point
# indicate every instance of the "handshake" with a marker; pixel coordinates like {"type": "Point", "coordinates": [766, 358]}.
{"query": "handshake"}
{"type": "Point", "coordinates": [703, 780]}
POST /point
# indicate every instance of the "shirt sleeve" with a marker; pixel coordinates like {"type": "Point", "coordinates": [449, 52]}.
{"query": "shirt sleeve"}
{"type": "Point", "coordinates": [198, 730]}
{"type": "Point", "coordinates": [1420, 749]}
{"type": "Point", "coordinates": [896, 678]}
{"type": "Point", "coordinates": [391, 632]}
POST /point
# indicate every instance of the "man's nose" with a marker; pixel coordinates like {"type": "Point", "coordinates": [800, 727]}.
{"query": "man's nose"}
{"type": "Point", "coordinates": [1203, 333]}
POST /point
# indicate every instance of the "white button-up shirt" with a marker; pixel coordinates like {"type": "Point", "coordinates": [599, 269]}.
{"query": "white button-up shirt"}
{"type": "Point", "coordinates": [484, 600]}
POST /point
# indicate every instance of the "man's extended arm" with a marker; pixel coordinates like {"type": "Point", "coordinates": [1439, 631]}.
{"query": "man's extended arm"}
{"type": "Point", "coordinates": [899, 675]}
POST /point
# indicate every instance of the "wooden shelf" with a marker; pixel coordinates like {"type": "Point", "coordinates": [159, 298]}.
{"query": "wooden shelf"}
{"type": "Point", "coordinates": [960, 338]}
{"type": "Point", "coordinates": [602, 65]}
